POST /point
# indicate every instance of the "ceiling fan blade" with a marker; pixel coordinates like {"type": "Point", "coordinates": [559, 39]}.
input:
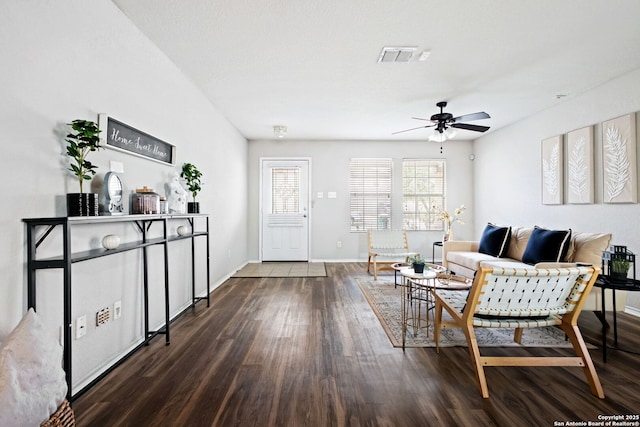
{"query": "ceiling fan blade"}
{"type": "Point", "coordinates": [472, 117]}
{"type": "Point", "coordinates": [420, 118]}
{"type": "Point", "coordinates": [468, 126]}
{"type": "Point", "coordinates": [407, 130]}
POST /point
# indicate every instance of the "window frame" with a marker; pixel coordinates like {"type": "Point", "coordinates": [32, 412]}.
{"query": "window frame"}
{"type": "Point", "coordinates": [370, 194]}
{"type": "Point", "coordinates": [413, 217]}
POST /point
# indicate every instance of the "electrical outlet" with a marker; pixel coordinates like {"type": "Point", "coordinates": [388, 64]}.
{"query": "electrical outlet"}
{"type": "Point", "coordinates": [339, 244]}
{"type": "Point", "coordinates": [117, 310]}
{"type": "Point", "coordinates": [81, 327]}
{"type": "Point", "coordinates": [103, 316]}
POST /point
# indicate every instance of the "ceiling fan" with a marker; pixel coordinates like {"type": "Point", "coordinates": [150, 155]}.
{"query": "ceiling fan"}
{"type": "Point", "coordinates": [443, 121]}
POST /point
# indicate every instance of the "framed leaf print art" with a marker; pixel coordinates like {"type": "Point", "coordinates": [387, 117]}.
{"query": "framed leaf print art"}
{"type": "Point", "coordinates": [580, 179]}
{"type": "Point", "coordinates": [619, 160]}
{"type": "Point", "coordinates": [552, 180]}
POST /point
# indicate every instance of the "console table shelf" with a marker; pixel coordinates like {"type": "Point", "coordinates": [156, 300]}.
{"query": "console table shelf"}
{"type": "Point", "coordinates": [67, 257]}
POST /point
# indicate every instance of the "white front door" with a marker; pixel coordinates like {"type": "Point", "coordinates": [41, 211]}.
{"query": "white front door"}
{"type": "Point", "coordinates": [285, 210]}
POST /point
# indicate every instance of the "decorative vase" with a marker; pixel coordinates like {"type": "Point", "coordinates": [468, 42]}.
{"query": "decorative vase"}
{"type": "Point", "coordinates": [193, 207]}
{"type": "Point", "coordinates": [448, 234]}
{"type": "Point", "coordinates": [82, 204]}
{"type": "Point", "coordinates": [110, 241]}
{"type": "Point", "coordinates": [182, 230]}
{"type": "Point", "coordinates": [418, 267]}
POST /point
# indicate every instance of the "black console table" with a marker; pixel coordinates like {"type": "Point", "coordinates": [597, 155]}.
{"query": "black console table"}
{"type": "Point", "coordinates": [604, 283]}
{"type": "Point", "coordinates": [67, 257]}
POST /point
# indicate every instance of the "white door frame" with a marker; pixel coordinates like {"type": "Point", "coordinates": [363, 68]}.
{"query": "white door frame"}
{"type": "Point", "coordinates": [260, 196]}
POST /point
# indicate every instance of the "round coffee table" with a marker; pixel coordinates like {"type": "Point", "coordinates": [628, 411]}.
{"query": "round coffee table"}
{"type": "Point", "coordinates": [418, 288]}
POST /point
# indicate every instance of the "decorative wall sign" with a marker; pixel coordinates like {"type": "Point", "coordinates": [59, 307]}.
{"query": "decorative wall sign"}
{"type": "Point", "coordinates": [119, 136]}
{"type": "Point", "coordinates": [619, 160]}
{"type": "Point", "coordinates": [552, 180]}
{"type": "Point", "coordinates": [580, 179]}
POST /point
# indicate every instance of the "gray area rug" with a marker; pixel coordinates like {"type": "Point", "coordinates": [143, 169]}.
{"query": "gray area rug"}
{"type": "Point", "coordinates": [282, 269]}
{"type": "Point", "coordinates": [385, 301]}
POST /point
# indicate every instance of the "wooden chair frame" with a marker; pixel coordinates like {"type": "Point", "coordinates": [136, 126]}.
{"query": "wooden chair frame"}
{"type": "Point", "coordinates": [519, 299]}
{"type": "Point", "coordinates": [392, 245]}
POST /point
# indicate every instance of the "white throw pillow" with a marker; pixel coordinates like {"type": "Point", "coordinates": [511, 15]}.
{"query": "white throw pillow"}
{"type": "Point", "coordinates": [32, 381]}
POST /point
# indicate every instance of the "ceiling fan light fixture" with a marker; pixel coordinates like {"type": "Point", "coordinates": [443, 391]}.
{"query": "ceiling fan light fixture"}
{"type": "Point", "coordinates": [438, 136]}
{"type": "Point", "coordinates": [280, 131]}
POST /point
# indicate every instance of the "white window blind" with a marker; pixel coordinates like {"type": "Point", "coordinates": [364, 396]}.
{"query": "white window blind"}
{"type": "Point", "coordinates": [423, 187]}
{"type": "Point", "coordinates": [370, 194]}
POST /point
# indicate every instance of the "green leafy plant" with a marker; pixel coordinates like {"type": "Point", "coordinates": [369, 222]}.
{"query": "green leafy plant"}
{"type": "Point", "coordinates": [417, 259]}
{"type": "Point", "coordinates": [192, 175]}
{"type": "Point", "coordinates": [620, 266]}
{"type": "Point", "coordinates": [80, 144]}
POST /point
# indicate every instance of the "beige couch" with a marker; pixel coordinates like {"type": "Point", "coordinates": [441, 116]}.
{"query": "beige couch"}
{"type": "Point", "coordinates": [463, 258]}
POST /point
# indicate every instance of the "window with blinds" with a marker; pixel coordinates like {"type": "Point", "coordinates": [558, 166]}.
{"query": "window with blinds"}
{"type": "Point", "coordinates": [285, 190]}
{"type": "Point", "coordinates": [423, 187]}
{"type": "Point", "coordinates": [370, 194]}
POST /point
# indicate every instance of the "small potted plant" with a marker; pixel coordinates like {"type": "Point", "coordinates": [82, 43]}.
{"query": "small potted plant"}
{"type": "Point", "coordinates": [417, 262]}
{"type": "Point", "coordinates": [83, 140]}
{"type": "Point", "coordinates": [619, 269]}
{"type": "Point", "coordinates": [192, 176]}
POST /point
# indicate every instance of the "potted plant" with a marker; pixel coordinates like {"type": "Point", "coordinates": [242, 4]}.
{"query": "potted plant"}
{"type": "Point", "coordinates": [619, 269]}
{"type": "Point", "coordinates": [83, 140]}
{"type": "Point", "coordinates": [417, 262]}
{"type": "Point", "coordinates": [192, 176]}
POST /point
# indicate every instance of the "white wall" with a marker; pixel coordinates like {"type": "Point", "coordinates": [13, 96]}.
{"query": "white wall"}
{"type": "Point", "coordinates": [329, 218]}
{"type": "Point", "coordinates": [75, 59]}
{"type": "Point", "coordinates": [507, 178]}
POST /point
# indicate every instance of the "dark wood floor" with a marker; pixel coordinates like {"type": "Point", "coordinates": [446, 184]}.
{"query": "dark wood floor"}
{"type": "Point", "coordinates": [310, 352]}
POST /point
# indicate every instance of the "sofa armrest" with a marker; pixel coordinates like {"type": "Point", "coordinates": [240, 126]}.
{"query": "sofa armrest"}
{"type": "Point", "coordinates": [458, 246]}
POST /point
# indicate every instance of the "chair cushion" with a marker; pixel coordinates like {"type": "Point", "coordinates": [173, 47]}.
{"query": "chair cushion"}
{"type": "Point", "coordinates": [546, 246]}
{"type": "Point", "coordinates": [495, 240]}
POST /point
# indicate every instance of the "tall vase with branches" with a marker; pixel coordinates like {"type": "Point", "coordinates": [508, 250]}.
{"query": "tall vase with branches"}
{"type": "Point", "coordinates": [449, 219]}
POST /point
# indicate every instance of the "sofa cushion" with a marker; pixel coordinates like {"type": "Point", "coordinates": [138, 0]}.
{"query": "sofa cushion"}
{"type": "Point", "coordinates": [518, 243]}
{"type": "Point", "coordinates": [469, 260]}
{"type": "Point", "coordinates": [32, 382]}
{"type": "Point", "coordinates": [588, 247]}
{"type": "Point", "coordinates": [546, 246]}
{"type": "Point", "coordinates": [505, 263]}
{"type": "Point", "coordinates": [495, 240]}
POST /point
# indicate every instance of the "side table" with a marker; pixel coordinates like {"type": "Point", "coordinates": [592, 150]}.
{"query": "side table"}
{"type": "Point", "coordinates": [433, 252]}
{"type": "Point", "coordinates": [604, 283]}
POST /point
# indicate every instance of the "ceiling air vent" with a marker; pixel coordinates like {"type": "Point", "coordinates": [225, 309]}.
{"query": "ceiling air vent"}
{"type": "Point", "coordinates": [396, 54]}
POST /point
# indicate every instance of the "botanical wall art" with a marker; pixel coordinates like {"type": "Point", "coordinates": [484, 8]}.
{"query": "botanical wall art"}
{"type": "Point", "coordinates": [580, 180]}
{"type": "Point", "coordinates": [619, 160]}
{"type": "Point", "coordinates": [552, 180]}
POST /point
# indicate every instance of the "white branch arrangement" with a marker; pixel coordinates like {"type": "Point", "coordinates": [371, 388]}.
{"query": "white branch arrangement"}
{"type": "Point", "coordinates": [550, 171]}
{"type": "Point", "coordinates": [578, 170]}
{"type": "Point", "coordinates": [617, 172]}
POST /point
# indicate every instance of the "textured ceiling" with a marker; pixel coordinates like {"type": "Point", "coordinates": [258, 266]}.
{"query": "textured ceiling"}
{"type": "Point", "coordinates": [311, 65]}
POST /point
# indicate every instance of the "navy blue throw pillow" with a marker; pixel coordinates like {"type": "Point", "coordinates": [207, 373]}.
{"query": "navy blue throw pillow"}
{"type": "Point", "coordinates": [495, 240]}
{"type": "Point", "coordinates": [546, 246]}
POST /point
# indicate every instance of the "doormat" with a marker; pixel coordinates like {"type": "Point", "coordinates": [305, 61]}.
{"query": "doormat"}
{"type": "Point", "coordinates": [384, 299]}
{"type": "Point", "coordinates": [282, 269]}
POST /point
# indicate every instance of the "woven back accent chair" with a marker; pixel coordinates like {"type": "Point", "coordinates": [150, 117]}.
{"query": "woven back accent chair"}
{"type": "Point", "coordinates": [387, 247]}
{"type": "Point", "coordinates": [519, 299]}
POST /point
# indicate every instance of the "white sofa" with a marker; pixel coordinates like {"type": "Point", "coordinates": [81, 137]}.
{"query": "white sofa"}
{"type": "Point", "coordinates": [463, 258]}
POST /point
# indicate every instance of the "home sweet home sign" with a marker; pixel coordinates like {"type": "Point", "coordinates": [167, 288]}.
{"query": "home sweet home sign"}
{"type": "Point", "coordinates": [120, 136]}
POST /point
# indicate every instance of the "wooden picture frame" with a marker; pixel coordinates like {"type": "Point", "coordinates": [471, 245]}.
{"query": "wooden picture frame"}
{"type": "Point", "coordinates": [619, 164]}
{"type": "Point", "coordinates": [552, 167]}
{"type": "Point", "coordinates": [580, 172]}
